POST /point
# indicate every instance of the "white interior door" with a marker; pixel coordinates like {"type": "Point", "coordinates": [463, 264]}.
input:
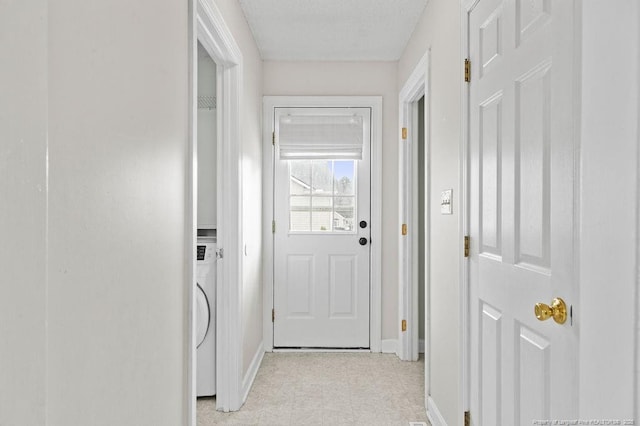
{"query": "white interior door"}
{"type": "Point", "coordinates": [322, 228]}
{"type": "Point", "coordinates": [522, 210]}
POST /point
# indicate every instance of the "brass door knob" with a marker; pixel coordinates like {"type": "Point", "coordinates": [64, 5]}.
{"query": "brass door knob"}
{"type": "Point", "coordinates": [557, 310]}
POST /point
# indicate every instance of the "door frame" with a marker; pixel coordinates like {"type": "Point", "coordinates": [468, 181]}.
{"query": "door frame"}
{"type": "Point", "coordinates": [207, 26]}
{"type": "Point", "coordinates": [375, 301]}
{"type": "Point", "coordinates": [465, 306]}
{"type": "Point", "coordinates": [416, 86]}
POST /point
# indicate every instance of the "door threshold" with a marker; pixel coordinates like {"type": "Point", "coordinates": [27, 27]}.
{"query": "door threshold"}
{"type": "Point", "coordinates": [327, 350]}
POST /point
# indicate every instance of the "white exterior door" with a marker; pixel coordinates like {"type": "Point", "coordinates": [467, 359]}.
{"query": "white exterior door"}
{"type": "Point", "coordinates": [522, 210]}
{"type": "Point", "coordinates": [322, 233]}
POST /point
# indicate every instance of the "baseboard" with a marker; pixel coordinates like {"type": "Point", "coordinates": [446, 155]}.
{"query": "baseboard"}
{"type": "Point", "coordinates": [421, 346]}
{"type": "Point", "coordinates": [389, 346]}
{"type": "Point", "coordinates": [252, 372]}
{"type": "Point", "coordinates": [433, 414]}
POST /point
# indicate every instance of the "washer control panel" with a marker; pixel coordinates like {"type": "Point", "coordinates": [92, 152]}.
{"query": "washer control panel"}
{"type": "Point", "coordinates": [205, 252]}
{"type": "Point", "coordinates": [201, 251]}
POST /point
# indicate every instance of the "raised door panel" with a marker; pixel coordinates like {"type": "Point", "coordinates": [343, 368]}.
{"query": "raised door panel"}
{"type": "Point", "coordinates": [490, 166]}
{"type": "Point", "coordinates": [300, 286]}
{"type": "Point", "coordinates": [343, 286]}
{"type": "Point", "coordinates": [532, 376]}
{"type": "Point", "coordinates": [531, 15]}
{"type": "Point", "coordinates": [532, 167]}
{"type": "Point", "coordinates": [490, 383]}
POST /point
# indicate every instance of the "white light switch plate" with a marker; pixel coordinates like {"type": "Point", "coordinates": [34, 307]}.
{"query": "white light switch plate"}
{"type": "Point", "coordinates": [445, 202]}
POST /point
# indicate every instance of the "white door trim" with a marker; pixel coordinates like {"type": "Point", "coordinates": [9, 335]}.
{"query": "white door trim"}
{"type": "Point", "coordinates": [208, 27]}
{"type": "Point", "coordinates": [465, 329]}
{"type": "Point", "coordinates": [416, 86]}
{"type": "Point", "coordinates": [191, 224]}
{"type": "Point", "coordinates": [375, 103]}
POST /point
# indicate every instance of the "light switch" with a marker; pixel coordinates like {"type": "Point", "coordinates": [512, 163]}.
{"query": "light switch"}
{"type": "Point", "coordinates": [445, 202]}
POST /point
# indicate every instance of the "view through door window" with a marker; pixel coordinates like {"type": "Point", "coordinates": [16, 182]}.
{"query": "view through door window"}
{"type": "Point", "coordinates": [322, 195]}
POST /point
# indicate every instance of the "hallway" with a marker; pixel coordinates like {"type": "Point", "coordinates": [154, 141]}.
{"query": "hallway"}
{"type": "Point", "coordinates": [532, 153]}
{"type": "Point", "coordinates": [328, 389]}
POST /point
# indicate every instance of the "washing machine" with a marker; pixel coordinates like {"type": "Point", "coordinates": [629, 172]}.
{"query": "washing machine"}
{"type": "Point", "coordinates": [206, 317]}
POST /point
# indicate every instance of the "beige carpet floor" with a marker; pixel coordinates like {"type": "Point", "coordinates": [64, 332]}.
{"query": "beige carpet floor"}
{"type": "Point", "coordinates": [328, 389]}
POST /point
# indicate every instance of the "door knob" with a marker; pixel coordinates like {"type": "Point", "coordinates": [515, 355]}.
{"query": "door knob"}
{"type": "Point", "coordinates": [557, 310]}
{"type": "Point", "coordinates": [363, 241]}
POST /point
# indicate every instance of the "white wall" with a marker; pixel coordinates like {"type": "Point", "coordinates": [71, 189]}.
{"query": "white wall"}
{"type": "Point", "coordinates": [207, 143]}
{"type": "Point", "coordinates": [94, 132]}
{"type": "Point", "coordinates": [23, 203]}
{"type": "Point", "coordinates": [251, 116]}
{"type": "Point", "coordinates": [118, 143]}
{"type": "Point", "coordinates": [352, 79]}
{"type": "Point", "coordinates": [439, 29]}
{"type": "Point", "coordinates": [609, 210]}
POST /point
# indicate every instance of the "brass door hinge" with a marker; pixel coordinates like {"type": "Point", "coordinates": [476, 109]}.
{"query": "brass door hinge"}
{"type": "Point", "coordinates": [273, 138]}
{"type": "Point", "coordinates": [404, 133]}
{"type": "Point", "coordinates": [404, 229]}
{"type": "Point", "coordinates": [467, 70]}
{"type": "Point", "coordinates": [404, 325]}
{"type": "Point", "coordinates": [466, 246]}
{"type": "Point", "coordinates": [467, 418]}
{"type": "Point", "coordinates": [273, 226]}
{"type": "Point", "coordinates": [273, 315]}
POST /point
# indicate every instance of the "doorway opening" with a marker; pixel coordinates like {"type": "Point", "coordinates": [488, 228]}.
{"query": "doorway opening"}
{"type": "Point", "coordinates": [422, 222]}
{"type": "Point", "coordinates": [322, 217]}
{"type": "Point", "coordinates": [322, 201]}
{"type": "Point", "coordinates": [206, 242]}
{"type": "Point", "coordinates": [216, 115]}
{"type": "Point", "coordinates": [414, 191]}
{"type": "Point", "coordinates": [414, 204]}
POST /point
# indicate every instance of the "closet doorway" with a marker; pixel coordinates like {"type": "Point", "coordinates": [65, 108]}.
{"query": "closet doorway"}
{"type": "Point", "coordinates": [215, 39]}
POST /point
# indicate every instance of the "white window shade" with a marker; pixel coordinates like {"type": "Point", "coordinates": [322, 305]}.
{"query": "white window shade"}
{"type": "Point", "coordinates": [311, 137]}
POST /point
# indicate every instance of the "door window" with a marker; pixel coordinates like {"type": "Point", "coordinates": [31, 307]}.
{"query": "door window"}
{"type": "Point", "coordinates": [322, 196]}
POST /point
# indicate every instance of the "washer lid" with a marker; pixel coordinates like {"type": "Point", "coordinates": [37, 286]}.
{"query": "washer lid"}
{"type": "Point", "coordinates": [203, 316]}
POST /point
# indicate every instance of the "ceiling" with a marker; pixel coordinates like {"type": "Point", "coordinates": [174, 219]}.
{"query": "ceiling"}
{"type": "Point", "coordinates": [332, 30]}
